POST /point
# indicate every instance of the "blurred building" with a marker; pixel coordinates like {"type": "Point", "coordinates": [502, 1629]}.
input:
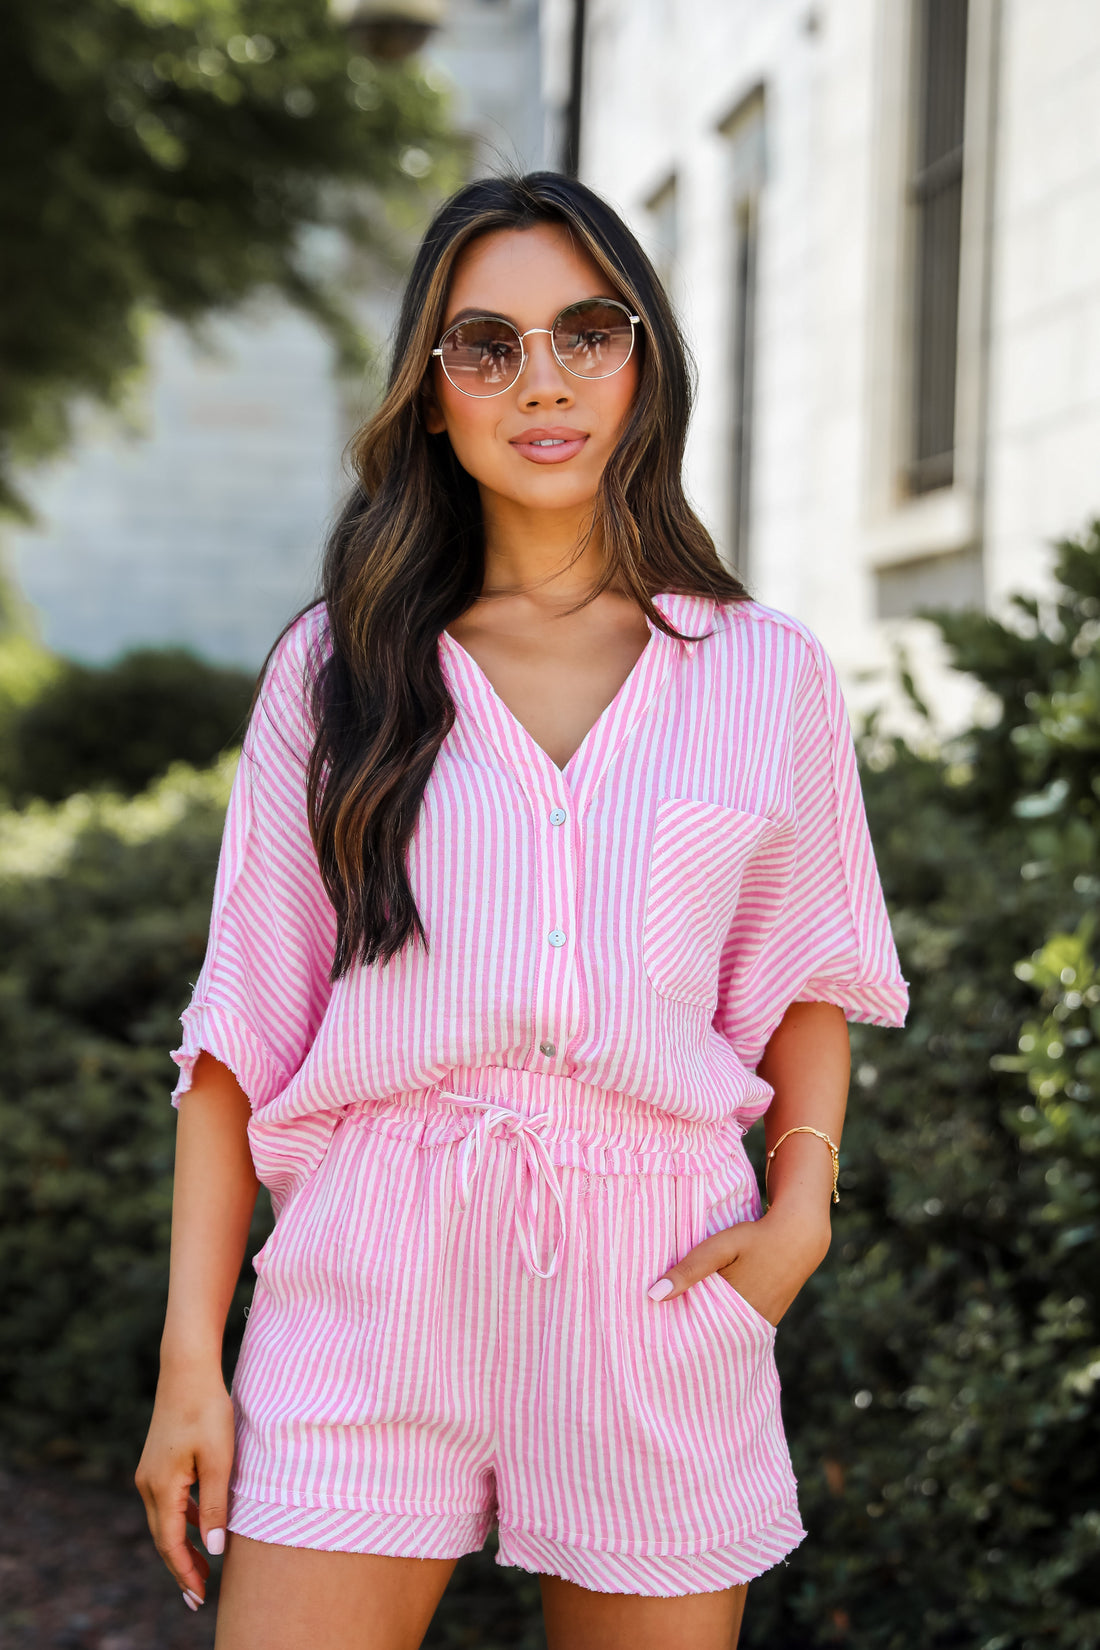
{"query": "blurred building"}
{"type": "Point", "coordinates": [201, 523]}
{"type": "Point", "coordinates": [881, 222]}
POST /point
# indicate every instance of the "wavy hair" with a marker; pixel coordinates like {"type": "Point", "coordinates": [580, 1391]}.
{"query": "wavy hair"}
{"type": "Point", "coordinates": [406, 556]}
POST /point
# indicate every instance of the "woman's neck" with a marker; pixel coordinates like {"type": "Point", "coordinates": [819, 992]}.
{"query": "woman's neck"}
{"type": "Point", "coordinates": [537, 552]}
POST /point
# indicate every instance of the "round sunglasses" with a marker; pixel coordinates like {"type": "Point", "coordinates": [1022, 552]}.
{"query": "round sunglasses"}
{"type": "Point", "coordinates": [484, 354]}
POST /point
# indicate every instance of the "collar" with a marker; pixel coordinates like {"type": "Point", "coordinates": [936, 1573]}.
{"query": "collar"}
{"type": "Point", "coordinates": [692, 615]}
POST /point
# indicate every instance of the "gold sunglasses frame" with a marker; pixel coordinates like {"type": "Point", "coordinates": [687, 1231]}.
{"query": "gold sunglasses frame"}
{"type": "Point", "coordinates": [635, 321]}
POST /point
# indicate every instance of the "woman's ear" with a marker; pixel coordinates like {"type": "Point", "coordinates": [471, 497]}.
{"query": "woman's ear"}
{"type": "Point", "coordinates": [431, 412]}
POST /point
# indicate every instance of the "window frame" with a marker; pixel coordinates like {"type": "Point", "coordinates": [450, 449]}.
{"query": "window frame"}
{"type": "Point", "coordinates": [901, 524]}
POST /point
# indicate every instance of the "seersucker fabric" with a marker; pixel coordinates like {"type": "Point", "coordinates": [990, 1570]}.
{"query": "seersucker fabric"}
{"type": "Point", "coordinates": [481, 1156]}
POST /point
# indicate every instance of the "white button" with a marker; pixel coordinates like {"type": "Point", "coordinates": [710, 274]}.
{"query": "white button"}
{"type": "Point", "coordinates": [548, 1048]}
{"type": "Point", "coordinates": [557, 816]}
{"type": "Point", "coordinates": [556, 937]}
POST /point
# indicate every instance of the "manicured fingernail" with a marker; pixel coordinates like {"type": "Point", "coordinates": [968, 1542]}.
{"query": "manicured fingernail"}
{"type": "Point", "coordinates": [192, 1600]}
{"type": "Point", "coordinates": [661, 1289]}
{"type": "Point", "coordinates": [215, 1542]}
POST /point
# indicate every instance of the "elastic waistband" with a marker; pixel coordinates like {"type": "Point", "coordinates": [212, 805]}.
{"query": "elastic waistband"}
{"type": "Point", "coordinates": [580, 1125]}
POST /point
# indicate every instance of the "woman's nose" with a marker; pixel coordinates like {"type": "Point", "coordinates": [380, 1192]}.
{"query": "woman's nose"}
{"type": "Point", "coordinates": [543, 377]}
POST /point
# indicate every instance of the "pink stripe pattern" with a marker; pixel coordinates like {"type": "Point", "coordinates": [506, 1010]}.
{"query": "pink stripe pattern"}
{"type": "Point", "coordinates": [481, 1155]}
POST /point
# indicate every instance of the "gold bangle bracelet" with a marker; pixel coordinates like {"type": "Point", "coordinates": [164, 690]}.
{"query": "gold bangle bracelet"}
{"type": "Point", "coordinates": [804, 1128]}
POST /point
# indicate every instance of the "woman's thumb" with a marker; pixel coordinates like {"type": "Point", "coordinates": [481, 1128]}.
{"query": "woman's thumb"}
{"type": "Point", "coordinates": [214, 1468]}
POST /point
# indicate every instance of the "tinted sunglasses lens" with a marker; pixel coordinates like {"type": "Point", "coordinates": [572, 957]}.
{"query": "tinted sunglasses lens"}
{"type": "Point", "coordinates": [594, 338]}
{"type": "Point", "coordinates": [482, 357]}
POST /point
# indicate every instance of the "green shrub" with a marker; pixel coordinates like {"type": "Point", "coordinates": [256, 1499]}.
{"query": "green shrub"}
{"type": "Point", "coordinates": [940, 1373]}
{"type": "Point", "coordinates": [104, 906]}
{"type": "Point", "coordinates": [26, 670]}
{"type": "Point", "coordinates": [120, 726]}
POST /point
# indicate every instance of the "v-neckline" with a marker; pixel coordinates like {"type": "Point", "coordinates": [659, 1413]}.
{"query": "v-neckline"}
{"type": "Point", "coordinates": [485, 719]}
{"type": "Point", "coordinates": [522, 729]}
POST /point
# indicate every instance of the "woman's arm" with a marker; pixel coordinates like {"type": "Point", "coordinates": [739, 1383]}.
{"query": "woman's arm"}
{"type": "Point", "coordinates": [807, 1064]}
{"type": "Point", "coordinates": [191, 1432]}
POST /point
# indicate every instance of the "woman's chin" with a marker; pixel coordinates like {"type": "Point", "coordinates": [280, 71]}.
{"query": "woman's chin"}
{"type": "Point", "coordinates": [541, 487]}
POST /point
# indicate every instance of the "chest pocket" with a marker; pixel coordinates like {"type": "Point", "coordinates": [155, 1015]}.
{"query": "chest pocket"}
{"type": "Point", "coordinates": [699, 855]}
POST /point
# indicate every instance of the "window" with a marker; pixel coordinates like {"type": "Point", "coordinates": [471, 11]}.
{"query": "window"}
{"type": "Point", "coordinates": [745, 132]}
{"type": "Point", "coordinates": [930, 581]}
{"type": "Point", "coordinates": [935, 195]}
{"type": "Point", "coordinates": [665, 240]}
{"type": "Point", "coordinates": [936, 73]}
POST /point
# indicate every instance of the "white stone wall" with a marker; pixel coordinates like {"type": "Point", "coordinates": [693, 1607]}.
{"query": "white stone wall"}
{"type": "Point", "coordinates": [663, 76]}
{"type": "Point", "coordinates": [202, 526]}
{"type": "Point", "coordinates": [489, 49]}
{"type": "Point", "coordinates": [1044, 427]}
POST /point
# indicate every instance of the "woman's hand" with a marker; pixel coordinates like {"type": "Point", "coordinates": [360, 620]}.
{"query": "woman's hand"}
{"type": "Point", "coordinates": [767, 1260]}
{"type": "Point", "coordinates": [190, 1438]}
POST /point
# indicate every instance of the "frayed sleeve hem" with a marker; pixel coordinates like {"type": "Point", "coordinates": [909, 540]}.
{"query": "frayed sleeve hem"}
{"type": "Point", "coordinates": [869, 1003]}
{"type": "Point", "coordinates": [877, 1003]}
{"type": "Point", "coordinates": [231, 1040]}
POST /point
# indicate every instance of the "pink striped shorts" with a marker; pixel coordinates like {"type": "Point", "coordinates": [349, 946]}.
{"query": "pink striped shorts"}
{"type": "Point", "coordinates": [451, 1331]}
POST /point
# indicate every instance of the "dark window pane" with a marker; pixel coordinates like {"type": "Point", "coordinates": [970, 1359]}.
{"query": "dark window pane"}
{"type": "Point", "coordinates": [936, 194]}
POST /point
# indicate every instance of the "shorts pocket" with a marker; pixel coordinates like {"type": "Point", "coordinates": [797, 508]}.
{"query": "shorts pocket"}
{"type": "Point", "coordinates": [745, 1310]}
{"type": "Point", "coordinates": [291, 1194]}
{"type": "Point", "coordinates": [730, 1197]}
{"type": "Point", "coordinates": [696, 863]}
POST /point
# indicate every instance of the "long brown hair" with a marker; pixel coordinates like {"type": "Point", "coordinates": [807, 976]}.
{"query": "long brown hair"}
{"type": "Point", "coordinates": [407, 556]}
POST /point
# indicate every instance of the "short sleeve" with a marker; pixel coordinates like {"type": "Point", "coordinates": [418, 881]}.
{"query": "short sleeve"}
{"type": "Point", "coordinates": [812, 923]}
{"type": "Point", "coordinates": [264, 983]}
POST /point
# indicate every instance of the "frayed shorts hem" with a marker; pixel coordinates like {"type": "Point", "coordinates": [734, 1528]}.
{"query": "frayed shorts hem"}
{"type": "Point", "coordinates": [404, 1534]}
{"type": "Point", "coordinates": [393, 1534]}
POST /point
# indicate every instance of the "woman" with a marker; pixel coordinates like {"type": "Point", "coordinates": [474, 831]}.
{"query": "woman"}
{"type": "Point", "coordinates": [545, 873]}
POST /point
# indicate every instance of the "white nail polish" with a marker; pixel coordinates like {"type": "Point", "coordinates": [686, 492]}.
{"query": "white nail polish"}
{"type": "Point", "coordinates": [192, 1600]}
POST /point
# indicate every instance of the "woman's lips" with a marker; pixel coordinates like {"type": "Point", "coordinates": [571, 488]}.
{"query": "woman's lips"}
{"type": "Point", "coordinates": [549, 446]}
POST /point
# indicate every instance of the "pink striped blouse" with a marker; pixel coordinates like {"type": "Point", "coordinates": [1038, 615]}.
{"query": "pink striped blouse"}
{"type": "Point", "coordinates": [638, 921]}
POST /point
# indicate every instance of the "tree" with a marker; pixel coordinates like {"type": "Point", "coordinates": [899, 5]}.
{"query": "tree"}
{"type": "Point", "coordinates": [172, 156]}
